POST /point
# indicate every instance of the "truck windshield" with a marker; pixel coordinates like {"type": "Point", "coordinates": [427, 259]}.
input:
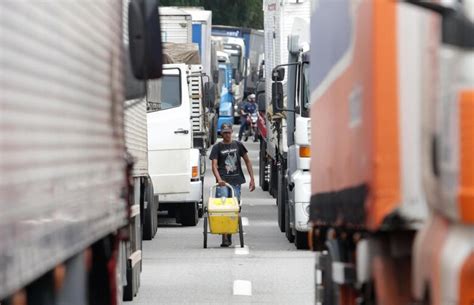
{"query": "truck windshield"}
{"type": "Point", "coordinates": [305, 94]}
{"type": "Point", "coordinates": [235, 61]}
{"type": "Point", "coordinates": [222, 77]}
{"type": "Point", "coordinates": [164, 94]}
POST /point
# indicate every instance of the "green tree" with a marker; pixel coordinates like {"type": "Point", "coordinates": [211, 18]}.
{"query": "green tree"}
{"type": "Point", "coordinates": [242, 13]}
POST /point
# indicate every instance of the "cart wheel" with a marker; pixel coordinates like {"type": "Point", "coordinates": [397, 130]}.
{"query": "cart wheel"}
{"type": "Point", "coordinates": [241, 233]}
{"type": "Point", "coordinates": [205, 233]}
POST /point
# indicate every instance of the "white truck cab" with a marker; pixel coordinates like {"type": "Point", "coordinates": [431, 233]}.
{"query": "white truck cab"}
{"type": "Point", "coordinates": [174, 164]}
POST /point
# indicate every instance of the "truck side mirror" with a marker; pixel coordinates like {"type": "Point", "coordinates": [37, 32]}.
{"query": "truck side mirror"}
{"type": "Point", "coordinates": [261, 102]}
{"type": "Point", "coordinates": [277, 97]}
{"type": "Point", "coordinates": [215, 76]}
{"type": "Point", "coordinates": [209, 95]}
{"type": "Point", "coordinates": [262, 105]}
{"type": "Point", "coordinates": [236, 75]}
{"type": "Point", "coordinates": [278, 74]}
{"type": "Point", "coordinates": [144, 33]}
{"type": "Point", "coordinates": [134, 88]}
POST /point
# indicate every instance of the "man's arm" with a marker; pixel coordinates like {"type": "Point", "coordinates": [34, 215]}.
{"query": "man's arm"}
{"type": "Point", "coordinates": [248, 164]}
{"type": "Point", "coordinates": [215, 171]}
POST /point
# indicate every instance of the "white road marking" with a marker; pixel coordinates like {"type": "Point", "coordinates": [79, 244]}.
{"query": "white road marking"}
{"type": "Point", "coordinates": [242, 287]}
{"type": "Point", "coordinates": [245, 221]}
{"type": "Point", "coordinates": [241, 251]}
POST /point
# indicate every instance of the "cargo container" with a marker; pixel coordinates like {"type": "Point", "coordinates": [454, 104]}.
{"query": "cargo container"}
{"type": "Point", "coordinates": [73, 235]}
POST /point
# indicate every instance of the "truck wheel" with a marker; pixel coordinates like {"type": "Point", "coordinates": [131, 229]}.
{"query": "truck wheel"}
{"type": "Point", "coordinates": [331, 293]}
{"type": "Point", "coordinates": [148, 224]}
{"type": "Point", "coordinates": [150, 218]}
{"type": "Point", "coordinates": [301, 240]}
{"type": "Point", "coordinates": [201, 204]}
{"type": "Point", "coordinates": [280, 203]}
{"type": "Point", "coordinates": [189, 214]}
{"type": "Point", "coordinates": [263, 170]}
{"type": "Point", "coordinates": [288, 231]}
{"type": "Point", "coordinates": [273, 181]}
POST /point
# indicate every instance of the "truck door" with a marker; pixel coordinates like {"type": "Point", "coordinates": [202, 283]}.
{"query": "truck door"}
{"type": "Point", "coordinates": [169, 132]}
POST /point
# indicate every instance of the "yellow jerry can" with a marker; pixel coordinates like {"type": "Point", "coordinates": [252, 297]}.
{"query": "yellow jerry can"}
{"type": "Point", "coordinates": [223, 215]}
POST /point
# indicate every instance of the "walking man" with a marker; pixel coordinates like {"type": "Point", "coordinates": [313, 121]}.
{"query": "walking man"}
{"type": "Point", "coordinates": [226, 167]}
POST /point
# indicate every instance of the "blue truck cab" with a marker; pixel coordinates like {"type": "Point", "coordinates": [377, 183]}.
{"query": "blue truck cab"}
{"type": "Point", "coordinates": [226, 113]}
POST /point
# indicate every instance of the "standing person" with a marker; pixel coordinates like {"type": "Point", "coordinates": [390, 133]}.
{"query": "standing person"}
{"type": "Point", "coordinates": [226, 167]}
{"type": "Point", "coordinates": [248, 108]}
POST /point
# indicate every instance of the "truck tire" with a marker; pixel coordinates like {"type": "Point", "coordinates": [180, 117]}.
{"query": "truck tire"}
{"type": "Point", "coordinates": [189, 214]}
{"type": "Point", "coordinates": [330, 291]}
{"type": "Point", "coordinates": [150, 219]}
{"type": "Point", "coordinates": [301, 240]}
{"type": "Point", "coordinates": [273, 183]}
{"type": "Point", "coordinates": [288, 230]}
{"type": "Point", "coordinates": [280, 203]}
{"type": "Point", "coordinates": [262, 169]}
{"type": "Point", "coordinates": [201, 204]}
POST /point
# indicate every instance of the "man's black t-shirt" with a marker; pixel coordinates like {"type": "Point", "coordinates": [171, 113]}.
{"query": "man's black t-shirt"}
{"type": "Point", "coordinates": [228, 161]}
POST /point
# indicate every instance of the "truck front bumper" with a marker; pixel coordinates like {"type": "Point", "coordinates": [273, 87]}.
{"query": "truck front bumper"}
{"type": "Point", "coordinates": [194, 195]}
{"type": "Point", "coordinates": [302, 216]}
{"type": "Point", "coordinates": [302, 191]}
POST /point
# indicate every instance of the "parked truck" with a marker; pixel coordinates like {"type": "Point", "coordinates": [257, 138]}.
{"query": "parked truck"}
{"type": "Point", "coordinates": [235, 48]}
{"type": "Point", "coordinates": [392, 152]}
{"type": "Point", "coordinates": [226, 102]}
{"type": "Point", "coordinates": [176, 131]}
{"type": "Point", "coordinates": [73, 236]}
{"type": "Point", "coordinates": [193, 25]}
{"type": "Point", "coordinates": [285, 135]}
{"type": "Point", "coordinates": [293, 176]}
{"type": "Point", "coordinates": [254, 49]}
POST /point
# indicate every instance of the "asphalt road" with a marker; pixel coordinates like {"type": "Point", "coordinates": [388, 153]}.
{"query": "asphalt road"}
{"type": "Point", "coordinates": [269, 270]}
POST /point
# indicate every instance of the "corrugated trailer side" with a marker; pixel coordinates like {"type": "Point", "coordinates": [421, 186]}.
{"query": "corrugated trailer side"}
{"type": "Point", "coordinates": [136, 135]}
{"type": "Point", "coordinates": [62, 139]}
{"type": "Point", "coordinates": [68, 224]}
{"type": "Point", "coordinates": [176, 25]}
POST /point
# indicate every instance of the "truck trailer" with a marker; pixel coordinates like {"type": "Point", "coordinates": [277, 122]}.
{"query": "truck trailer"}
{"type": "Point", "coordinates": [235, 48]}
{"type": "Point", "coordinates": [73, 235]}
{"type": "Point", "coordinates": [201, 35]}
{"type": "Point", "coordinates": [392, 152]}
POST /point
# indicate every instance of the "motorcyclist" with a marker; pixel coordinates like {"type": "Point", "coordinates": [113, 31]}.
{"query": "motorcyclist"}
{"type": "Point", "coordinates": [249, 107]}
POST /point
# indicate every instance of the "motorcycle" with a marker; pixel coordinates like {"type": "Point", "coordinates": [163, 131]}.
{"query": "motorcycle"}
{"type": "Point", "coordinates": [252, 128]}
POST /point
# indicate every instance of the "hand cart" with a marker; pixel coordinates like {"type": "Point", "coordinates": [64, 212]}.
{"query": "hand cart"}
{"type": "Point", "coordinates": [222, 215]}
